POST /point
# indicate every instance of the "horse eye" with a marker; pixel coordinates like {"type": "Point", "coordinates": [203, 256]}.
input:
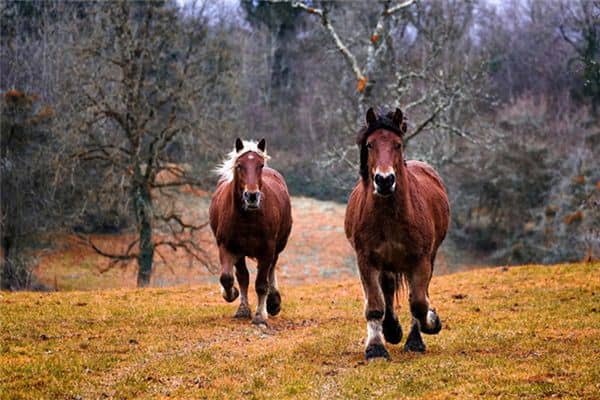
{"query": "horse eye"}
{"type": "Point", "coordinates": [238, 167]}
{"type": "Point", "coordinates": [369, 146]}
{"type": "Point", "coordinates": [398, 146]}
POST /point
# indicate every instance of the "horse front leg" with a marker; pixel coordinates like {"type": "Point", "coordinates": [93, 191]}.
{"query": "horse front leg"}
{"type": "Point", "coordinates": [228, 290]}
{"type": "Point", "coordinates": [273, 298]}
{"type": "Point", "coordinates": [425, 319]}
{"type": "Point", "coordinates": [374, 309]}
{"type": "Point", "coordinates": [262, 290]}
{"type": "Point", "coordinates": [243, 278]}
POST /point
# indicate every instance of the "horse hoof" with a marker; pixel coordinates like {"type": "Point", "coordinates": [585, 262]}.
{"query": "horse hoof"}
{"type": "Point", "coordinates": [376, 351]}
{"type": "Point", "coordinates": [392, 331]}
{"type": "Point", "coordinates": [260, 322]}
{"type": "Point", "coordinates": [414, 347]}
{"type": "Point", "coordinates": [231, 297]}
{"type": "Point", "coordinates": [433, 326]}
{"type": "Point", "coordinates": [273, 303]}
{"type": "Point", "coordinates": [242, 313]}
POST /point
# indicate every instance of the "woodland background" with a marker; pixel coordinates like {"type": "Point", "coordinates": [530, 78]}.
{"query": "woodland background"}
{"type": "Point", "coordinates": [107, 108]}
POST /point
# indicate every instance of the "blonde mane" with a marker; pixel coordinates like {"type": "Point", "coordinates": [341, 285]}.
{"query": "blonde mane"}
{"type": "Point", "coordinates": [226, 168]}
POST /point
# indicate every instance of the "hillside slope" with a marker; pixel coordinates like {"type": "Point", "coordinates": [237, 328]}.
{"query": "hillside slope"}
{"type": "Point", "coordinates": [317, 250]}
{"type": "Point", "coordinates": [527, 332]}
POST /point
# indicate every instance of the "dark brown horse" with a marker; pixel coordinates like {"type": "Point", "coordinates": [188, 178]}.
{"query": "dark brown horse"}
{"type": "Point", "coordinates": [396, 219]}
{"type": "Point", "coordinates": [250, 216]}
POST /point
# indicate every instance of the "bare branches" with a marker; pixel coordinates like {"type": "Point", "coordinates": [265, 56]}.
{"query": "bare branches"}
{"type": "Point", "coordinates": [326, 22]}
{"type": "Point", "coordinates": [376, 48]}
{"type": "Point", "coordinates": [138, 86]}
{"type": "Point", "coordinates": [121, 258]}
{"type": "Point", "coordinates": [399, 7]}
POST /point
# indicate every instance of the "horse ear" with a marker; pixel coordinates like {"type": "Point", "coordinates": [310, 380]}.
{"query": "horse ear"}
{"type": "Point", "coordinates": [262, 145]}
{"type": "Point", "coordinates": [239, 145]}
{"type": "Point", "coordinates": [371, 116]}
{"type": "Point", "coordinates": [397, 118]}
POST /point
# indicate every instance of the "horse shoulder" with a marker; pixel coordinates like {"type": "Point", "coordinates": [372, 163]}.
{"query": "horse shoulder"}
{"type": "Point", "coordinates": [430, 192]}
{"type": "Point", "coordinates": [277, 195]}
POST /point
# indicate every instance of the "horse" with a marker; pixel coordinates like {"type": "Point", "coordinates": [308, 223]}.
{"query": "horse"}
{"type": "Point", "coordinates": [250, 216]}
{"type": "Point", "coordinates": [397, 217]}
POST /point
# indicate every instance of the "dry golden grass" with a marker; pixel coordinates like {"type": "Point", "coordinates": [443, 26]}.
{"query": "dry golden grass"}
{"type": "Point", "coordinates": [526, 332]}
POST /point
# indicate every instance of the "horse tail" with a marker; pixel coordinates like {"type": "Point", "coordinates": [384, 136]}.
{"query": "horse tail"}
{"type": "Point", "coordinates": [401, 283]}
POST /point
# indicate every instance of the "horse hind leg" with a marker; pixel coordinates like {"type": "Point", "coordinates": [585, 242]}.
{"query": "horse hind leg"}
{"type": "Point", "coordinates": [243, 278]}
{"type": "Point", "coordinates": [274, 297]}
{"type": "Point", "coordinates": [392, 331]}
{"type": "Point", "coordinates": [414, 342]}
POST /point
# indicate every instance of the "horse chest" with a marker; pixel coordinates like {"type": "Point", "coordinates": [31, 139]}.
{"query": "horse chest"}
{"type": "Point", "coordinates": [389, 246]}
{"type": "Point", "coordinates": [247, 239]}
{"type": "Point", "coordinates": [389, 253]}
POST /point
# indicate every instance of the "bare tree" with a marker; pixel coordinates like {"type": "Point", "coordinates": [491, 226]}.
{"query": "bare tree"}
{"type": "Point", "coordinates": [581, 29]}
{"type": "Point", "coordinates": [137, 78]}
{"type": "Point", "coordinates": [428, 89]}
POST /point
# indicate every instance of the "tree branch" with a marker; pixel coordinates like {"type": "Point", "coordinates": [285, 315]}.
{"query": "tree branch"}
{"type": "Point", "coordinates": [348, 56]}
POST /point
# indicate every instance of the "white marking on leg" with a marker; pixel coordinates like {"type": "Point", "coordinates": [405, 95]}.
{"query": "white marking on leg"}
{"type": "Point", "coordinates": [374, 332]}
{"type": "Point", "coordinates": [430, 319]}
{"type": "Point", "coordinates": [261, 308]}
{"type": "Point", "coordinates": [244, 297]}
{"type": "Point", "coordinates": [274, 284]}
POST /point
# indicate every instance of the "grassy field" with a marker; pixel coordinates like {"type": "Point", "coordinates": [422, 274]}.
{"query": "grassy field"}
{"type": "Point", "coordinates": [526, 332]}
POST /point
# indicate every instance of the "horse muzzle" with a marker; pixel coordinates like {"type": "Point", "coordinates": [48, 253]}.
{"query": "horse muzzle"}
{"type": "Point", "coordinates": [251, 200]}
{"type": "Point", "coordinates": [385, 184]}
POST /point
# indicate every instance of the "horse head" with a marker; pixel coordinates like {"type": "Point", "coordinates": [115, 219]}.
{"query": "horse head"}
{"type": "Point", "coordinates": [248, 167]}
{"type": "Point", "coordinates": [382, 150]}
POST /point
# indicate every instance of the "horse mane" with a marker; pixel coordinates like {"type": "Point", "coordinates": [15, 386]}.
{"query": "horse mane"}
{"type": "Point", "coordinates": [383, 121]}
{"type": "Point", "coordinates": [226, 168]}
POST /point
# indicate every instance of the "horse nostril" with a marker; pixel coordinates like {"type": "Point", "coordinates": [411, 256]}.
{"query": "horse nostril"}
{"type": "Point", "coordinates": [385, 182]}
{"type": "Point", "coordinates": [390, 179]}
{"type": "Point", "coordinates": [251, 197]}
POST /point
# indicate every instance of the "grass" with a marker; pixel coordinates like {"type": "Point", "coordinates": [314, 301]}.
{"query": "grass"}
{"type": "Point", "coordinates": [526, 332]}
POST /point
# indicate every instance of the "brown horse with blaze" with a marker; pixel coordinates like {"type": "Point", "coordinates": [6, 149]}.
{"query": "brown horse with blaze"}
{"type": "Point", "coordinates": [397, 217]}
{"type": "Point", "coordinates": [250, 216]}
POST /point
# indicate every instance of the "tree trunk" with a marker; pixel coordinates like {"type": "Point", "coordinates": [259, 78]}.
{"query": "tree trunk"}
{"type": "Point", "coordinates": [6, 275]}
{"type": "Point", "coordinates": [143, 212]}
